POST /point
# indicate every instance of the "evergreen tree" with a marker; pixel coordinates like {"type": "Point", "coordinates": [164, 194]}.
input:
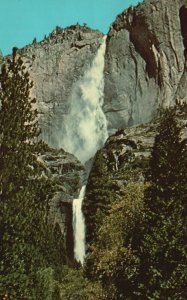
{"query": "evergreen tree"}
{"type": "Point", "coordinates": [163, 272]}
{"type": "Point", "coordinates": [25, 236]}
{"type": "Point", "coordinates": [111, 259]}
{"type": "Point", "coordinates": [98, 193]}
{"type": "Point", "coordinates": [18, 127]}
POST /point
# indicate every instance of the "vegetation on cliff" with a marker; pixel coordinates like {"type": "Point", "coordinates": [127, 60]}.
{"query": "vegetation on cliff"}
{"type": "Point", "coordinates": [137, 231]}
{"type": "Point", "coordinates": [135, 212]}
{"type": "Point", "coordinates": [139, 250]}
{"type": "Point", "coordinates": [162, 251]}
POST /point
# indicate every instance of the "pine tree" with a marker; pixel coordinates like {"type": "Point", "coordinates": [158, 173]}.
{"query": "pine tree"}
{"type": "Point", "coordinates": [18, 127]}
{"type": "Point", "coordinates": [98, 194]}
{"type": "Point", "coordinates": [111, 259]}
{"type": "Point", "coordinates": [22, 194]}
{"type": "Point", "coordinates": [163, 272]}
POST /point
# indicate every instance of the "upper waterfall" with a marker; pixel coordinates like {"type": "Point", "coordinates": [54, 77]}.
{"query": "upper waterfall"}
{"type": "Point", "coordinates": [85, 125]}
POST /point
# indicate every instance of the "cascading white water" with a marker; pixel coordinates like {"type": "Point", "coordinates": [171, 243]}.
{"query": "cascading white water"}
{"type": "Point", "coordinates": [85, 133]}
{"type": "Point", "coordinates": [79, 227]}
{"type": "Point", "coordinates": [85, 125]}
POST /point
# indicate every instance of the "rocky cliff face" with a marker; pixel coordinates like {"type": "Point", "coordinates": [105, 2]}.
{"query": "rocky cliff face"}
{"type": "Point", "coordinates": [145, 65]}
{"type": "Point", "coordinates": [57, 63]}
{"type": "Point", "coordinates": [145, 61]}
{"type": "Point", "coordinates": [65, 175]}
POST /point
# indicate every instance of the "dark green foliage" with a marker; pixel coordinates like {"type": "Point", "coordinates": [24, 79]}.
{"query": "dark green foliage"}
{"type": "Point", "coordinates": [99, 193]}
{"type": "Point", "coordinates": [163, 250]}
{"type": "Point", "coordinates": [166, 155]}
{"type": "Point", "coordinates": [28, 255]}
{"type": "Point", "coordinates": [34, 41]}
{"type": "Point", "coordinates": [141, 253]}
{"type": "Point", "coordinates": [75, 286]}
{"type": "Point", "coordinates": [18, 127]}
{"type": "Point", "coordinates": [111, 259]}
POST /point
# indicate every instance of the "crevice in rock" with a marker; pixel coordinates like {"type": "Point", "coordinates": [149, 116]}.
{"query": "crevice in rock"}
{"type": "Point", "coordinates": [183, 19]}
{"type": "Point", "coordinates": [135, 63]}
{"type": "Point", "coordinates": [111, 110]}
{"type": "Point", "coordinates": [143, 39]}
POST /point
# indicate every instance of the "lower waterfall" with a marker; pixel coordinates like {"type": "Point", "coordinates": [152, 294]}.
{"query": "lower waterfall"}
{"type": "Point", "coordinates": [79, 227]}
{"type": "Point", "coordinates": [86, 132]}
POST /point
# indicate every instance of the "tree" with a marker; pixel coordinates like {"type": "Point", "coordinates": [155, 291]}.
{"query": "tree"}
{"type": "Point", "coordinates": [111, 259]}
{"type": "Point", "coordinates": [163, 254]}
{"type": "Point", "coordinates": [23, 226]}
{"type": "Point", "coordinates": [18, 127]}
{"type": "Point", "coordinates": [34, 41]}
{"type": "Point", "coordinates": [98, 193]}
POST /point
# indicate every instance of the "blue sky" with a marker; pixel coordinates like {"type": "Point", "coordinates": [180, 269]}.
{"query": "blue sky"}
{"type": "Point", "coordinates": [22, 20]}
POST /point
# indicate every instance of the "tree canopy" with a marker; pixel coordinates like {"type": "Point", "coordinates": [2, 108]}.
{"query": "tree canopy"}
{"type": "Point", "coordinates": [163, 257]}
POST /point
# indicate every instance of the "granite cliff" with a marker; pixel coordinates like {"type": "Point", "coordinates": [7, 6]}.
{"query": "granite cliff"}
{"type": "Point", "coordinates": [55, 65]}
{"type": "Point", "coordinates": [65, 176]}
{"type": "Point", "coordinates": [145, 66]}
{"type": "Point", "coordinates": [145, 63]}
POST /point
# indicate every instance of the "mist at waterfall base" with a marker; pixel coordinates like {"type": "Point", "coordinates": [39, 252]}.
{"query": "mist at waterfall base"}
{"type": "Point", "coordinates": [85, 125]}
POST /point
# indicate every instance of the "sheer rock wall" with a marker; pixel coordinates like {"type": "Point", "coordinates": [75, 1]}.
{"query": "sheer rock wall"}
{"type": "Point", "coordinates": [145, 61]}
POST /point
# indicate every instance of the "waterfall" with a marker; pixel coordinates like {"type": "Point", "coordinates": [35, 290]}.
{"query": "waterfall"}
{"type": "Point", "coordinates": [79, 227]}
{"type": "Point", "coordinates": [85, 125]}
{"type": "Point", "coordinates": [116, 161]}
{"type": "Point", "coordinates": [85, 132]}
